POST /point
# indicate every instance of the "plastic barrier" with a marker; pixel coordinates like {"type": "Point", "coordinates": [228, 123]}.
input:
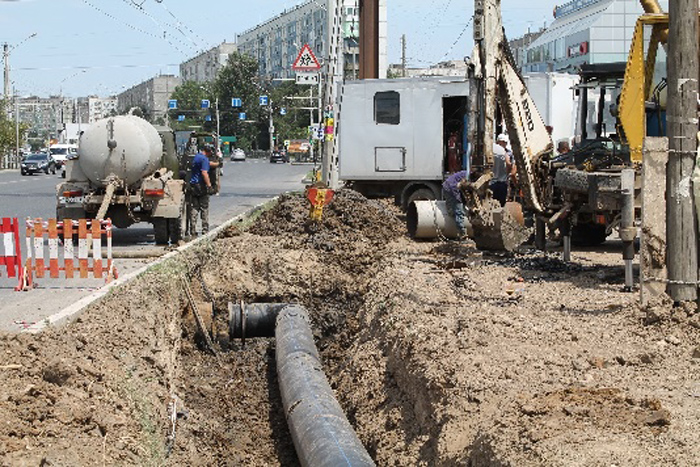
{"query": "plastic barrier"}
{"type": "Point", "coordinates": [89, 232]}
{"type": "Point", "coordinates": [12, 257]}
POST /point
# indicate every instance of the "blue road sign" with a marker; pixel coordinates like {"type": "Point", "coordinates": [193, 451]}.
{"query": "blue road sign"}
{"type": "Point", "coordinates": [241, 116]}
{"type": "Point", "coordinates": [264, 100]}
{"type": "Point", "coordinates": [236, 102]}
{"type": "Point", "coordinates": [208, 118]}
{"type": "Point", "coordinates": [283, 111]}
{"type": "Point", "coordinates": [205, 103]}
{"type": "Point", "coordinates": [180, 118]}
{"type": "Point", "coordinates": [172, 104]}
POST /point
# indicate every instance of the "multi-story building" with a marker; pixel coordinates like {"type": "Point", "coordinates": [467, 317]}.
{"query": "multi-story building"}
{"type": "Point", "coordinates": [276, 43]}
{"type": "Point", "coordinates": [520, 45]}
{"type": "Point", "coordinates": [585, 31]}
{"type": "Point", "coordinates": [99, 108]}
{"type": "Point", "coordinates": [151, 96]}
{"type": "Point", "coordinates": [205, 66]}
{"type": "Point", "coordinates": [446, 68]}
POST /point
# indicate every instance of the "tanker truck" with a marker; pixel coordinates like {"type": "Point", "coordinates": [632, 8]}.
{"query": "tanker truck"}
{"type": "Point", "coordinates": [125, 170]}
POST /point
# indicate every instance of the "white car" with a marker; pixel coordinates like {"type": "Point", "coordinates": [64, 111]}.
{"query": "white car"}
{"type": "Point", "coordinates": [238, 155]}
{"type": "Point", "coordinates": [61, 153]}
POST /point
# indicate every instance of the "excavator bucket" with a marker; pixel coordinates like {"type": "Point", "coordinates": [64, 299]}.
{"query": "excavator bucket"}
{"type": "Point", "coordinates": [499, 228]}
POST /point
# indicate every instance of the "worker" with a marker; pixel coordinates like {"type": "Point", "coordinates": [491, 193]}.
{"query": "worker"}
{"type": "Point", "coordinates": [503, 169]}
{"type": "Point", "coordinates": [563, 147]}
{"type": "Point", "coordinates": [452, 194]}
{"type": "Point", "coordinates": [200, 188]}
{"type": "Point", "coordinates": [453, 152]}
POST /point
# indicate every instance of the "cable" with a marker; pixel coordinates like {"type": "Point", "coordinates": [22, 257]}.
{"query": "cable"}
{"type": "Point", "coordinates": [141, 9]}
{"type": "Point", "coordinates": [130, 26]}
{"type": "Point", "coordinates": [457, 40]}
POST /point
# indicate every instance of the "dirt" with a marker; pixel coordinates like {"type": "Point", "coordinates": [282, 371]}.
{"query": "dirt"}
{"type": "Point", "coordinates": [440, 355]}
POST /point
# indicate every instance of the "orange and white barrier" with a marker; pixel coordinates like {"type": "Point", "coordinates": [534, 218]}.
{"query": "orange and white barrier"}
{"type": "Point", "coordinates": [12, 256]}
{"type": "Point", "coordinates": [87, 230]}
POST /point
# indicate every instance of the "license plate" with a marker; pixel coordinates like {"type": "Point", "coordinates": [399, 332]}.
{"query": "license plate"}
{"type": "Point", "coordinates": [72, 200]}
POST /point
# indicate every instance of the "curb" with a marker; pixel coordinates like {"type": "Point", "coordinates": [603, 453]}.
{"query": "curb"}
{"type": "Point", "coordinates": [73, 311]}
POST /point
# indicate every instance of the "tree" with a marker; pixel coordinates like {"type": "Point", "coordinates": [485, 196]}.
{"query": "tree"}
{"type": "Point", "coordinates": [8, 131]}
{"type": "Point", "coordinates": [293, 125]}
{"type": "Point", "coordinates": [238, 79]}
{"type": "Point", "coordinates": [189, 96]}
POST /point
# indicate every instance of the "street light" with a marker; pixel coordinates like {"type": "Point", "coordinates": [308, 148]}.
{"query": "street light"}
{"type": "Point", "coordinates": [6, 56]}
{"type": "Point", "coordinates": [60, 93]}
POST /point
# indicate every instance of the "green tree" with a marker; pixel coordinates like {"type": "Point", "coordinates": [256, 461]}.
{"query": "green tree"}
{"type": "Point", "coordinates": [8, 131]}
{"type": "Point", "coordinates": [189, 96]}
{"type": "Point", "coordinates": [293, 125]}
{"type": "Point", "coordinates": [238, 79]}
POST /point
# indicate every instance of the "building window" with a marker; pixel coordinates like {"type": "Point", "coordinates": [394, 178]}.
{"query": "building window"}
{"type": "Point", "coordinates": [387, 107]}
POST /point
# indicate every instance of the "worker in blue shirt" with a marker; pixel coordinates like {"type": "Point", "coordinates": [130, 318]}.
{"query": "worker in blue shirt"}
{"type": "Point", "coordinates": [200, 188]}
{"type": "Point", "coordinates": [452, 194]}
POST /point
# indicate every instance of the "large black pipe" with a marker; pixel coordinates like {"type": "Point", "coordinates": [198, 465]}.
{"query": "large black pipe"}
{"type": "Point", "coordinates": [322, 435]}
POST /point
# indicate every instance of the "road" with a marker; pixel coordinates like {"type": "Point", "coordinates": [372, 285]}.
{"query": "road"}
{"type": "Point", "coordinates": [243, 186]}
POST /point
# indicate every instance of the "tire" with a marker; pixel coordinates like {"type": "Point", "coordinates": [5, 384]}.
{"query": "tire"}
{"type": "Point", "coordinates": [160, 229]}
{"type": "Point", "coordinates": [177, 227]}
{"type": "Point", "coordinates": [421, 194]}
{"type": "Point", "coordinates": [46, 170]}
{"type": "Point", "coordinates": [53, 170]}
{"type": "Point", "coordinates": [588, 234]}
{"type": "Point", "coordinates": [24, 173]}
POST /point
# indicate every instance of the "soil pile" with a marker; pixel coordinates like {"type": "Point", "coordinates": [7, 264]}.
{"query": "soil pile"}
{"type": "Point", "coordinates": [439, 354]}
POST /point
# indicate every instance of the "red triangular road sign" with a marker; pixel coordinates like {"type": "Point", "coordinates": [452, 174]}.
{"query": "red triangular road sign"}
{"type": "Point", "coordinates": [306, 60]}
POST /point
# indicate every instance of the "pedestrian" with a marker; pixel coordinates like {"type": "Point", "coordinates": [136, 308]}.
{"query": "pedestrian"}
{"type": "Point", "coordinates": [503, 169]}
{"type": "Point", "coordinates": [563, 147]}
{"type": "Point", "coordinates": [452, 194]}
{"type": "Point", "coordinates": [199, 190]}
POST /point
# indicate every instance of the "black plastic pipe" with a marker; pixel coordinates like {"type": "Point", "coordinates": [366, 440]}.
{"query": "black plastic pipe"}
{"type": "Point", "coordinates": [253, 319]}
{"type": "Point", "coordinates": [322, 435]}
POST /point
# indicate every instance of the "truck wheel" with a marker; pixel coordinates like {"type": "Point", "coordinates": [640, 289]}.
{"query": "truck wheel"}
{"type": "Point", "coordinates": [588, 234]}
{"type": "Point", "coordinates": [160, 228]}
{"type": "Point", "coordinates": [421, 194]}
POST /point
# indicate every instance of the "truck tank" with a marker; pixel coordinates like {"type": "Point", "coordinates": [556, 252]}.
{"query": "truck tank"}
{"type": "Point", "coordinates": [127, 147]}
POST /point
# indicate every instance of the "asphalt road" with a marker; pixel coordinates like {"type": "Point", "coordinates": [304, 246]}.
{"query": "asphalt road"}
{"type": "Point", "coordinates": [243, 186]}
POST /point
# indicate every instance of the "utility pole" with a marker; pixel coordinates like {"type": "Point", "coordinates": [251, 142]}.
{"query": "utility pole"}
{"type": "Point", "coordinates": [6, 58]}
{"type": "Point", "coordinates": [369, 39]}
{"type": "Point", "coordinates": [681, 226]}
{"type": "Point", "coordinates": [17, 158]}
{"type": "Point", "coordinates": [403, 55]}
{"type": "Point", "coordinates": [334, 75]}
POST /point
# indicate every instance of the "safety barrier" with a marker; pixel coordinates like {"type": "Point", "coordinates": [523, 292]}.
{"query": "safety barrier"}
{"type": "Point", "coordinates": [89, 234]}
{"type": "Point", "coordinates": [12, 258]}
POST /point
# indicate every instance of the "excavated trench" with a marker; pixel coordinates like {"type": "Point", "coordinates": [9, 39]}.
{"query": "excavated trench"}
{"type": "Point", "coordinates": [438, 354]}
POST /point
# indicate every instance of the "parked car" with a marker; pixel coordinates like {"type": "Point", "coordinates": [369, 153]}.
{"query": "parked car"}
{"type": "Point", "coordinates": [238, 155]}
{"type": "Point", "coordinates": [278, 156]}
{"type": "Point", "coordinates": [37, 162]}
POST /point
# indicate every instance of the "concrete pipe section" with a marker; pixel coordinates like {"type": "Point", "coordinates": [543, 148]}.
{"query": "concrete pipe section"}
{"type": "Point", "coordinates": [322, 435]}
{"type": "Point", "coordinates": [431, 219]}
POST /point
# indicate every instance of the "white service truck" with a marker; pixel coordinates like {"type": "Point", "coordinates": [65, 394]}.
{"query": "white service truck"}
{"type": "Point", "coordinates": [393, 135]}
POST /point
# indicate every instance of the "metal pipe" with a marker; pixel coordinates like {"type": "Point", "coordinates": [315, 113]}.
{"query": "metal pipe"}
{"type": "Point", "coordinates": [566, 235]}
{"type": "Point", "coordinates": [628, 232]}
{"type": "Point", "coordinates": [322, 435]}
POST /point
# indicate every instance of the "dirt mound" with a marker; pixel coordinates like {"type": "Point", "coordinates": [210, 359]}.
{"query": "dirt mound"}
{"type": "Point", "coordinates": [349, 217]}
{"type": "Point", "coordinates": [439, 354]}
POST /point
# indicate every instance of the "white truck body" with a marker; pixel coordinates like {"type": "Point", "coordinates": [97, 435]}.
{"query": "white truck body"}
{"type": "Point", "coordinates": [553, 94]}
{"type": "Point", "coordinates": [408, 152]}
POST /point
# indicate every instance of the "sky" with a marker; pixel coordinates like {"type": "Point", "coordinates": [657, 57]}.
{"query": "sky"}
{"type": "Point", "coordinates": [102, 47]}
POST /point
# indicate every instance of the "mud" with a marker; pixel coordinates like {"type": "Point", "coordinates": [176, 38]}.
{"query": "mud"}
{"type": "Point", "coordinates": [440, 355]}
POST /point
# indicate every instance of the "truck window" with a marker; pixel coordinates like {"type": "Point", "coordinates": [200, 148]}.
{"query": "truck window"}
{"type": "Point", "coordinates": [387, 107]}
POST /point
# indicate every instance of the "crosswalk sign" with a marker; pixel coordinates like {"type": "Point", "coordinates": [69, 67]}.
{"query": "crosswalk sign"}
{"type": "Point", "coordinates": [306, 60]}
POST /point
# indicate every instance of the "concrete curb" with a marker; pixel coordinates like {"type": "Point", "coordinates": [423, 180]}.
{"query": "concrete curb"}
{"type": "Point", "coordinates": [73, 311]}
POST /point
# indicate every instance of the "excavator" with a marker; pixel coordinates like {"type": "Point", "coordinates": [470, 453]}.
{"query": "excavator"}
{"type": "Point", "coordinates": [563, 193]}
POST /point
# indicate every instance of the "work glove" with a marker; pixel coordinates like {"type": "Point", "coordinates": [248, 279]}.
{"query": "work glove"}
{"type": "Point", "coordinates": [211, 190]}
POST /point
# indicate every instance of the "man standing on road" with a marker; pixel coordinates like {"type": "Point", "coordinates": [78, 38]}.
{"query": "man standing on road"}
{"type": "Point", "coordinates": [503, 169]}
{"type": "Point", "coordinates": [199, 189]}
{"type": "Point", "coordinates": [452, 194]}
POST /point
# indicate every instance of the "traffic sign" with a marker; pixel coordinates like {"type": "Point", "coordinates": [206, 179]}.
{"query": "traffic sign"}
{"type": "Point", "coordinates": [241, 116]}
{"type": "Point", "coordinates": [236, 102]}
{"type": "Point", "coordinates": [283, 111]}
{"type": "Point", "coordinates": [264, 100]}
{"type": "Point", "coordinates": [307, 77]}
{"type": "Point", "coordinates": [172, 104]}
{"type": "Point", "coordinates": [207, 118]}
{"type": "Point", "coordinates": [306, 60]}
{"type": "Point", "coordinates": [180, 118]}
{"type": "Point", "coordinates": [205, 103]}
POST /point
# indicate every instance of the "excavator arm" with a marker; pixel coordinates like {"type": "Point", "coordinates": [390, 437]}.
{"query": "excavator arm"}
{"type": "Point", "coordinates": [500, 86]}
